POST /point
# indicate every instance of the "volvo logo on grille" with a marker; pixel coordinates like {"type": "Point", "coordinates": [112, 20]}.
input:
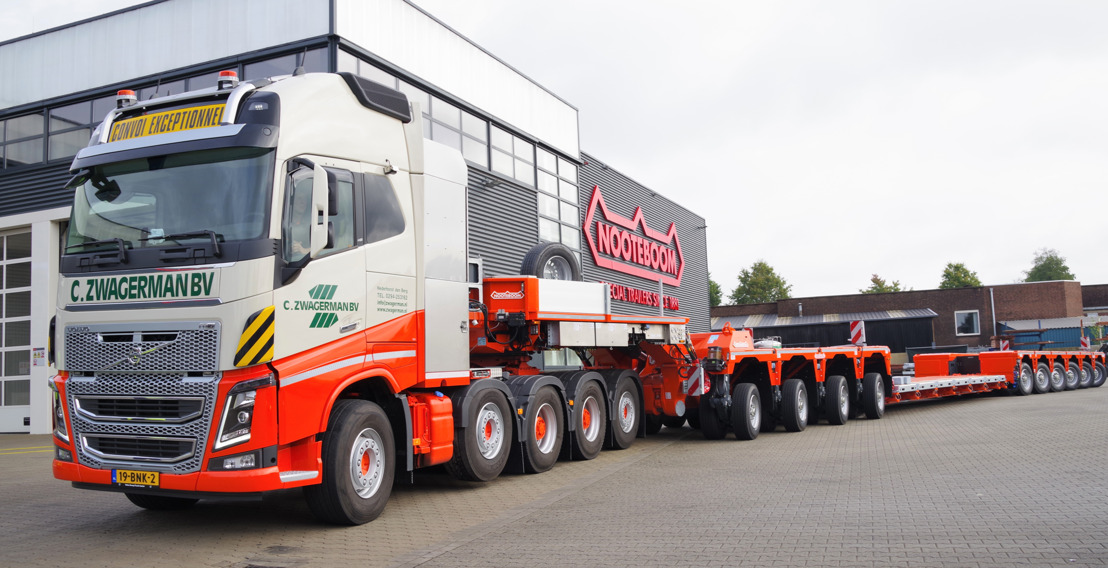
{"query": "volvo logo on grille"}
{"type": "Point", "coordinates": [135, 357]}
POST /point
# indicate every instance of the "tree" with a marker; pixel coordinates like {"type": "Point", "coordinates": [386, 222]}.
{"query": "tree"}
{"type": "Point", "coordinates": [715, 293]}
{"type": "Point", "coordinates": [1048, 265]}
{"type": "Point", "coordinates": [759, 284]}
{"type": "Point", "coordinates": [956, 275]}
{"type": "Point", "coordinates": [878, 285]}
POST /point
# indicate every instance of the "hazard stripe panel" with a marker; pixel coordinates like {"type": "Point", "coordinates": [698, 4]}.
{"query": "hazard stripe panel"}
{"type": "Point", "coordinates": [256, 342]}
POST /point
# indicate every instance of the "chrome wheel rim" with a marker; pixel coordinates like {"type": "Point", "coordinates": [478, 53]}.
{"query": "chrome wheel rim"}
{"type": "Point", "coordinates": [626, 412]}
{"type": "Point", "coordinates": [590, 423]}
{"type": "Point", "coordinates": [754, 412]}
{"type": "Point", "coordinates": [546, 428]}
{"type": "Point", "coordinates": [489, 430]}
{"type": "Point", "coordinates": [844, 400]}
{"type": "Point", "coordinates": [557, 268]}
{"type": "Point", "coordinates": [367, 463]}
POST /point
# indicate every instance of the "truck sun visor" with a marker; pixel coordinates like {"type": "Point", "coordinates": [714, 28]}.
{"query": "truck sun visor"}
{"type": "Point", "coordinates": [378, 97]}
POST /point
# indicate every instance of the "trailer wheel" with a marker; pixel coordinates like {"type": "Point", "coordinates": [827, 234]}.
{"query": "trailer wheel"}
{"type": "Point", "coordinates": [543, 426]}
{"type": "Point", "coordinates": [1073, 375]}
{"type": "Point", "coordinates": [358, 465]}
{"type": "Point", "coordinates": [1099, 374]}
{"type": "Point", "coordinates": [710, 424]}
{"type": "Point", "coordinates": [794, 409]}
{"type": "Point", "coordinates": [1086, 378]}
{"type": "Point", "coordinates": [836, 405]}
{"type": "Point", "coordinates": [481, 450]}
{"type": "Point", "coordinates": [873, 395]}
{"type": "Point", "coordinates": [1042, 378]}
{"type": "Point", "coordinates": [160, 502]}
{"type": "Point", "coordinates": [625, 422]}
{"type": "Point", "coordinates": [1057, 377]}
{"type": "Point", "coordinates": [552, 261]}
{"type": "Point", "coordinates": [653, 423]}
{"type": "Point", "coordinates": [590, 420]}
{"type": "Point", "coordinates": [692, 416]}
{"type": "Point", "coordinates": [673, 422]}
{"type": "Point", "coordinates": [746, 411]}
{"type": "Point", "coordinates": [1025, 383]}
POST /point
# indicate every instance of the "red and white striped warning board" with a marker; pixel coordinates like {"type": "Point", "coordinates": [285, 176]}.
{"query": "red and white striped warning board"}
{"type": "Point", "coordinates": [1005, 345]}
{"type": "Point", "coordinates": [858, 332]}
{"type": "Point", "coordinates": [1086, 344]}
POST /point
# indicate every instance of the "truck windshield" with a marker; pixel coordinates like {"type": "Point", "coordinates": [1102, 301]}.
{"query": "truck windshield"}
{"type": "Point", "coordinates": [149, 202]}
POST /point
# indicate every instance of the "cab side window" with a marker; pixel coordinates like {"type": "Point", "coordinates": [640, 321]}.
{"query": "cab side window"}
{"type": "Point", "coordinates": [383, 217]}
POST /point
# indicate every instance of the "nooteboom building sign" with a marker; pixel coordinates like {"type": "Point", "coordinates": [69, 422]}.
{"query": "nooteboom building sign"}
{"type": "Point", "coordinates": [630, 246]}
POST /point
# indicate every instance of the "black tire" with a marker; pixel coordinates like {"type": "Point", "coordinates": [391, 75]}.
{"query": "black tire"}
{"type": "Point", "coordinates": [552, 261]}
{"type": "Point", "coordinates": [1086, 379]}
{"type": "Point", "coordinates": [692, 416]}
{"type": "Point", "coordinates": [627, 406]}
{"type": "Point", "coordinates": [590, 423]}
{"type": "Point", "coordinates": [794, 405]}
{"type": "Point", "coordinates": [746, 411]}
{"type": "Point", "coordinates": [358, 465]}
{"type": "Point", "coordinates": [1057, 377]}
{"type": "Point", "coordinates": [710, 423]}
{"type": "Point", "coordinates": [673, 422]}
{"type": "Point", "coordinates": [160, 502]}
{"type": "Point", "coordinates": [1073, 375]}
{"type": "Point", "coordinates": [543, 431]}
{"type": "Point", "coordinates": [481, 450]}
{"type": "Point", "coordinates": [1042, 378]}
{"type": "Point", "coordinates": [836, 404]}
{"type": "Point", "coordinates": [873, 395]}
{"type": "Point", "coordinates": [1025, 382]}
{"type": "Point", "coordinates": [1099, 374]}
{"type": "Point", "coordinates": [653, 423]}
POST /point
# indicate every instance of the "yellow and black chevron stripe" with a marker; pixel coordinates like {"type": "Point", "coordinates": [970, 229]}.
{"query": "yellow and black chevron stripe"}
{"type": "Point", "coordinates": [256, 342]}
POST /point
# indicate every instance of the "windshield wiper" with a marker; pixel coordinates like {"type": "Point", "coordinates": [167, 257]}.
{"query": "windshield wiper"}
{"type": "Point", "coordinates": [121, 245]}
{"type": "Point", "coordinates": [216, 250]}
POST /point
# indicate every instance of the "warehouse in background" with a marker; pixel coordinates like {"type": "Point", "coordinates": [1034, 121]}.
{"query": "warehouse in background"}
{"type": "Point", "coordinates": [520, 141]}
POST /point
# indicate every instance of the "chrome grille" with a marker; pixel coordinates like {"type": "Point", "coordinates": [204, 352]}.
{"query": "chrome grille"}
{"type": "Point", "coordinates": [115, 441]}
{"type": "Point", "coordinates": [192, 346]}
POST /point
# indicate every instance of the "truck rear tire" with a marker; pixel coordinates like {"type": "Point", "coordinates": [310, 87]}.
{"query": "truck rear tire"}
{"type": "Point", "coordinates": [710, 424]}
{"type": "Point", "coordinates": [836, 405]}
{"type": "Point", "coordinates": [653, 423]}
{"type": "Point", "coordinates": [1025, 382]}
{"type": "Point", "coordinates": [160, 502]}
{"type": "Point", "coordinates": [358, 465]}
{"type": "Point", "coordinates": [552, 261]}
{"type": "Point", "coordinates": [1073, 376]}
{"type": "Point", "coordinates": [673, 422]}
{"type": "Point", "coordinates": [873, 395]}
{"type": "Point", "coordinates": [590, 423]}
{"type": "Point", "coordinates": [543, 428]}
{"type": "Point", "coordinates": [481, 450]}
{"type": "Point", "coordinates": [1042, 378]}
{"type": "Point", "coordinates": [1086, 379]}
{"type": "Point", "coordinates": [1099, 374]}
{"type": "Point", "coordinates": [746, 411]}
{"type": "Point", "coordinates": [1057, 377]}
{"type": "Point", "coordinates": [794, 405]}
{"type": "Point", "coordinates": [628, 411]}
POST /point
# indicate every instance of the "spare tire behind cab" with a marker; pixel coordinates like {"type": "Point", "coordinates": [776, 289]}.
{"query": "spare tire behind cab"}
{"type": "Point", "coordinates": [553, 261]}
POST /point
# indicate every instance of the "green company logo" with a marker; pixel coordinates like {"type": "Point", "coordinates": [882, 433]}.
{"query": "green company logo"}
{"type": "Point", "coordinates": [322, 302]}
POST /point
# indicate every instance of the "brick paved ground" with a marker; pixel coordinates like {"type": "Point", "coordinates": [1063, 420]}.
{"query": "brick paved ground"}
{"type": "Point", "coordinates": [982, 481]}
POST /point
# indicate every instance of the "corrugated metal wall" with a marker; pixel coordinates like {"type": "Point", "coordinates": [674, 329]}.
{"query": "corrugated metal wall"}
{"type": "Point", "coordinates": [622, 195]}
{"type": "Point", "coordinates": [503, 222]}
{"type": "Point", "coordinates": [35, 190]}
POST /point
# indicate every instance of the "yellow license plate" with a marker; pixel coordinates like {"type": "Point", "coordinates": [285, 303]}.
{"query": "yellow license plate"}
{"type": "Point", "coordinates": [168, 121]}
{"type": "Point", "coordinates": [129, 478]}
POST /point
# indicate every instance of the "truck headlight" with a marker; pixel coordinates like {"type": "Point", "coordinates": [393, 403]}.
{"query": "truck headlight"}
{"type": "Point", "coordinates": [57, 416]}
{"type": "Point", "coordinates": [238, 412]}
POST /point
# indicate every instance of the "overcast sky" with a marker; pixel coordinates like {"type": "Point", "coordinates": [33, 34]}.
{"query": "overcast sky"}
{"type": "Point", "coordinates": [833, 140]}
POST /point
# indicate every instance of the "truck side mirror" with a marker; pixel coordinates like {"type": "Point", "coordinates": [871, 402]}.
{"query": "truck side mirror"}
{"type": "Point", "coordinates": [321, 201]}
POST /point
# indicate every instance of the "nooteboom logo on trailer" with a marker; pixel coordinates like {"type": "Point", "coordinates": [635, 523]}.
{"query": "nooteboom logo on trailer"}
{"type": "Point", "coordinates": [630, 246]}
{"type": "Point", "coordinates": [320, 301]}
{"type": "Point", "coordinates": [507, 295]}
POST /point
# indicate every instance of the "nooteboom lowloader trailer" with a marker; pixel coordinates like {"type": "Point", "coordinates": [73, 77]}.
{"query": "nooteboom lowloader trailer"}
{"type": "Point", "coordinates": [266, 286]}
{"type": "Point", "coordinates": [747, 388]}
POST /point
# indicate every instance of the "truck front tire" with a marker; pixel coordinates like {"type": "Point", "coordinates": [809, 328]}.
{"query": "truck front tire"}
{"type": "Point", "coordinates": [358, 465]}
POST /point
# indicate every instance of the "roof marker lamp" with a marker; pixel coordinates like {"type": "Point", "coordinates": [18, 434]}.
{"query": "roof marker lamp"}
{"type": "Point", "coordinates": [125, 98]}
{"type": "Point", "coordinates": [227, 80]}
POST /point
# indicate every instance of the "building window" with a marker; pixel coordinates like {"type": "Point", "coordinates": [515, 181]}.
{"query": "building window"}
{"type": "Point", "coordinates": [967, 322]}
{"type": "Point", "coordinates": [557, 183]}
{"type": "Point", "coordinates": [15, 319]}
